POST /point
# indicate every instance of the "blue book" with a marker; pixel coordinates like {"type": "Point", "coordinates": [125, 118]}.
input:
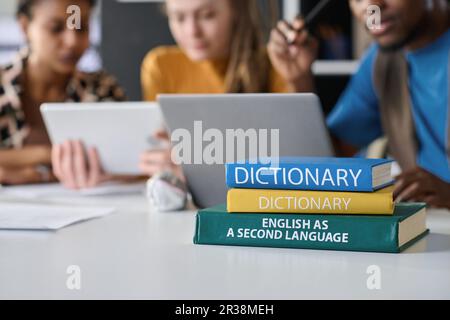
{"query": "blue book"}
{"type": "Point", "coordinates": [321, 174]}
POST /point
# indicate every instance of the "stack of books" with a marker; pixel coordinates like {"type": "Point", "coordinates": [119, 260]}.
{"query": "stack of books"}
{"type": "Point", "coordinates": [312, 203]}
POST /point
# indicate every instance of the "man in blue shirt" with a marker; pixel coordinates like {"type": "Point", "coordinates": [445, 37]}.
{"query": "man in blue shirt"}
{"type": "Point", "coordinates": [419, 30]}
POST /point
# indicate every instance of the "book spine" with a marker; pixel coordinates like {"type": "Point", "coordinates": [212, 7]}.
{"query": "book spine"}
{"type": "Point", "coordinates": [302, 232]}
{"type": "Point", "coordinates": [332, 177]}
{"type": "Point", "coordinates": [309, 202]}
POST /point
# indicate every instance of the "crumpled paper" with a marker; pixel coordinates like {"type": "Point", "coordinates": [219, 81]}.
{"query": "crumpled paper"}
{"type": "Point", "coordinates": [166, 192]}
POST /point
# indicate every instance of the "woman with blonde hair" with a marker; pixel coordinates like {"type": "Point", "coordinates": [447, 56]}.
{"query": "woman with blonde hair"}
{"type": "Point", "coordinates": [220, 48]}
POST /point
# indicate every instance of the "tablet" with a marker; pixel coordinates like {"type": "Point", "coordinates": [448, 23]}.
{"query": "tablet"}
{"type": "Point", "coordinates": [120, 131]}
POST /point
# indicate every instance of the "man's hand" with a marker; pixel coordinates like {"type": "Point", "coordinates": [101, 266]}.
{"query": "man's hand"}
{"type": "Point", "coordinates": [292, 52]}
{"type": "Point", "coordinates": [418, 185]}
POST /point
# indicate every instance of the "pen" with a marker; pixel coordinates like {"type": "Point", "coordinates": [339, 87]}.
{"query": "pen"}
{"type": "Point", "coordinates": [309, 18]}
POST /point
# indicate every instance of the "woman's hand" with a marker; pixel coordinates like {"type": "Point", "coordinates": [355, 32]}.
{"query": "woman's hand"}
{"type": "Point", "coordinates": [159, 160]}
{"type": "Point", "coordinates": [292, 52]}
{"type": "Point", "coordinates": [77, 167]}
{"type": "Point", "coordinates": [23, 175]}
{"type": "Point", "coordinates": [26, 157]}
{"type": "Point", "coordinates": [26, 165]}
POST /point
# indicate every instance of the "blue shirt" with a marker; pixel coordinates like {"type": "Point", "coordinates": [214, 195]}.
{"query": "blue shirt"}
{"type": "Point", "coordinates": [356, 117]}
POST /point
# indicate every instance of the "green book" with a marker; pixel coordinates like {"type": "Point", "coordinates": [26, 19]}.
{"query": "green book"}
{"type": "Point", "coordinates": [391, 234]}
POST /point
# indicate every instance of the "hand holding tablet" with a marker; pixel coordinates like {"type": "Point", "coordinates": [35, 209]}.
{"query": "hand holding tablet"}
{"type": "Point", "coordinates": [97, 140]}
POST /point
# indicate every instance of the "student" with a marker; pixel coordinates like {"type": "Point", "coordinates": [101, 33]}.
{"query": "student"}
{"type": "Point", "coordinates": [45, 71]}
{"type": "Point", "coordinates": [220, 49]}
{"type": "Point", "coordinates": [401, 90]}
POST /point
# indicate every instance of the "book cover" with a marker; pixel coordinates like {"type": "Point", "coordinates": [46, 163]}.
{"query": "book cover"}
{"type": "Point", "coordinates": [390, 234]}
{"type": "Point", "coordinates": [310, 202]}
{"type": "Point", "coordinates": [322, 174]}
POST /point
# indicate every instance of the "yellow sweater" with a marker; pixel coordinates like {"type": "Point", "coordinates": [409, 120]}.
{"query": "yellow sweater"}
{"type": "Point", "coordinates": [169, 70]}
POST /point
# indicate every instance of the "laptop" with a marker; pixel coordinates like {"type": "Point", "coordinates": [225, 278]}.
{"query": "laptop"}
{"type": "Point", "coordinates": [120, 131]}
{"type": "Point", "coordinates": [202, 127]}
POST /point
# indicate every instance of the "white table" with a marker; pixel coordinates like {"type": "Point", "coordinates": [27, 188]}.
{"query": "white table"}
{"type": "Point", "coordinates": [137, 254]}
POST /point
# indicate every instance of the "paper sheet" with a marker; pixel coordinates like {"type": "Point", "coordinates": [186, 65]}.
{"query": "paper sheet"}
{"type": "Point", "coordinates": [39, 191]}
{"type": "Point", "coordinates": [45, 217]}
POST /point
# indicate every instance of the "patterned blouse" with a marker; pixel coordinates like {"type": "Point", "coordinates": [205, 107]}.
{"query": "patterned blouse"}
{"type": "Point", "coordinates": [83, 87]}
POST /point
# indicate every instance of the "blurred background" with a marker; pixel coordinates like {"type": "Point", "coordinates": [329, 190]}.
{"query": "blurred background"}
{"type": "Point", "coordinates": [123, 31]}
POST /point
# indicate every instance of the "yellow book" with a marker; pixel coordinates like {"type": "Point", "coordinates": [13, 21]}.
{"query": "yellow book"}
{"type": "Point", "coordinates": [313, 202]}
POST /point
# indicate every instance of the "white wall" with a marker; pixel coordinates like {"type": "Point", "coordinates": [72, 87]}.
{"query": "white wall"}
{"type": "Point", "coordinates": [7, 7]}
